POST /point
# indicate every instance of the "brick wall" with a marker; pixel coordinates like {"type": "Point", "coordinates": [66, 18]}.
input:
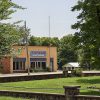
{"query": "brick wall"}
{"type": "Point", "coordinates": [6, 65]}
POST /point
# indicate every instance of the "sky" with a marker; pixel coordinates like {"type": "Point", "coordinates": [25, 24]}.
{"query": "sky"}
{"type": "Point", "coordinates": [37, 16]}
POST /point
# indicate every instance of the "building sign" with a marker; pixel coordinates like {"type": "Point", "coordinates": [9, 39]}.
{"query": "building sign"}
{"type": "Point", "coordinates": [38, 53]}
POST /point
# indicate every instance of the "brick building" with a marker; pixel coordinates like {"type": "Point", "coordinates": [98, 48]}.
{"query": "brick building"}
{"type": "Point", "coordinates": [40, 57]}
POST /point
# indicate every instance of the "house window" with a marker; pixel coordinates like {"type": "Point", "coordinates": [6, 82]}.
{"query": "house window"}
{"type": "Point", "coordinates": [32, 65]}
{"type": "Point", "coordinates": [36, 65]}
{"type": "Point", "coordinates": [43, 65]}
{"type": "Point", "coordinates": [19, 65]}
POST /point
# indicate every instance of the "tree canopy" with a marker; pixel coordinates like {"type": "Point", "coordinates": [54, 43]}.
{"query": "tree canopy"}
{"type": "Point", "coordinates": [9, 33]}
{"type": "Point", "coordinates": [67, 51]}
{"type": "Point", "coordinates": [87, 38]}
{"type": "Point", "coordinates": [44, 41]}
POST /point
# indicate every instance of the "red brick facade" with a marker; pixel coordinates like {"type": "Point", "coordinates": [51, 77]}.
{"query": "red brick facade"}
{"type": "Point", "coordinates": [6, 65]}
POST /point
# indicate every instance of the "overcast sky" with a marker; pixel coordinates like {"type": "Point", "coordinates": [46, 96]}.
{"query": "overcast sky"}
{"type": "Point", "coordinates": [37, 12]}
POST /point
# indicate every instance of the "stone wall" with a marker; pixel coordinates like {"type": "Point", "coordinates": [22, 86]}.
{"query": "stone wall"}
{"type": "Point", "coordinates": [71, 93]}
{"type": "Point", "coordinates": [30, 77]}
{"type": "Point", "coordinates": [36, 96]}
{"type": "Point", "coordinates": [87, 97]}
{"type": "Point", "coordinates": [91, 73]}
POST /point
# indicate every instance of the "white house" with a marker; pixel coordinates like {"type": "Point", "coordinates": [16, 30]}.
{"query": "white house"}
{"type": "Point", "coordinates": [71, 66]}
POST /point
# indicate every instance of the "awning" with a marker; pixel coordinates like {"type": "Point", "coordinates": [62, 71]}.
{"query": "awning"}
{"type": "Point", "coordinates": [38, 59]}
{"type": "Point", "coordinates": [19, 59]}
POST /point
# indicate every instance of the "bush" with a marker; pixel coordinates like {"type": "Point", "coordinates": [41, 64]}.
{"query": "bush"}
{"type": "Point", "coordinates": [1, 68]}
{"type": "Point", "coordinates": [77, 72]}
{"type": "Point", "coordinates": [48, 69]}
{"type": "Point", "coordinates": [39, 70]}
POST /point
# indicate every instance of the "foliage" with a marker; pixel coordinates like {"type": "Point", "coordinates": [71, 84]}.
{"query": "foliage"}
{"type": "Point", "coordinates": [39, 70]}
{"type": "Point", "coordinates": [67, 51]}
{"type": "Point", "coordinates": [77, 72]}
{"type": "Point", "coordinates": [34, 41]}
{"type": "Point", "coordinates": [47, 69]}
{"type": "Point", "coordinates": [9, 33]}
{"type": "Point", "coordinates": [43, 41]}
{"type": "Point", "coordinates": [9, 36]}
{"type": "Point", "coordinates": [87, 38]}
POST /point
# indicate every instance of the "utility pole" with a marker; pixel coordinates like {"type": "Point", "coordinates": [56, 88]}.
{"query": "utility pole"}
{"type": "Point", "coordinates": [49, 43]}
{"type": "Point", "coordinates": [26, 46]}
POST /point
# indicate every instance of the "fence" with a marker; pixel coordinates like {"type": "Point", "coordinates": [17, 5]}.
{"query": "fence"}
{"type": "Point", "coordinates": [71, 93]}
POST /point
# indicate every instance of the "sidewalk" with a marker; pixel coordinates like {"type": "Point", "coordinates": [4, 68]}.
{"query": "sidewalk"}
{"type": "Point", "coordinates": [31, 74]}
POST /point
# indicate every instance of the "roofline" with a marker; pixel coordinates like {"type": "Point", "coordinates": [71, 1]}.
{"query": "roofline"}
{"type": "Point", "coordinates": [33, 46]}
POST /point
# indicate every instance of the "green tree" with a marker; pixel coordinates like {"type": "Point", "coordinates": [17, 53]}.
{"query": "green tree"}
{"type": "Point", "coordinates": [44, 41]}
{"type": "Point", "coordinates": [32, 41]}
{"type": "Point", "coordinates": [88, 36]}
{"type": "Point", "coordinates": [9, 33]}
{"type": "Point", "coordinates": [54, 42]}
{"type": "Point", "coordinates": [67, 50]}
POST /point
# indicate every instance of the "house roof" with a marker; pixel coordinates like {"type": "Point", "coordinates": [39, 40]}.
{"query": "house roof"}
{"type": "Point", "coordinates": [72, 64]}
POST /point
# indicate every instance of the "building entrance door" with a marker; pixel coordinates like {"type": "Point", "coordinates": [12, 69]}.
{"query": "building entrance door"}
{"type": "Point", "coordinates": [38, 65]}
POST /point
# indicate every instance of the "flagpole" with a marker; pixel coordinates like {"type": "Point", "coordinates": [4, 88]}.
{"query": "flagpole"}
{"type": "Point", "coordinates": [49, 42]}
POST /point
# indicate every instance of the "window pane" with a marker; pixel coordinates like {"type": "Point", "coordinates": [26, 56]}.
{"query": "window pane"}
{"type": "Point", "coordinates": [14, 65]}
{"type": "Point", "coordinates": [33, 65]}
{"type": "Point", "coordinates": [23, 65]}
{"type": "Point", "coordinates": [39, 64]}
{"type": "Point", "coordinates": [44, 65]}
{"type": "Point", "coordinates": [17, 65]}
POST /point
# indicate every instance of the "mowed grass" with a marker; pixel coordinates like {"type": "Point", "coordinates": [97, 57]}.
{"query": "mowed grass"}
{"type": "Point", "coordinates": [12, 98]}
{"type": "Point", "coordinates": [55, 85]}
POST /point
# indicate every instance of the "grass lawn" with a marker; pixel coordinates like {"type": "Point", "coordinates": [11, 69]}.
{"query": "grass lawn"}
{"type": "Point", "coordinates": [84, 82]}
{"type": "Point", "coordinates": [11, 98]}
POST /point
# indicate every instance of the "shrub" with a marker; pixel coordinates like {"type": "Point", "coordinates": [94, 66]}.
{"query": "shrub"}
{"type": "Point", "coordinates": [39, 70]}
{"type": "Point", "coordinates": [77, 72]}
{"type": "Point", "coordinates": [48, 69]}
{"type": "Point", "coordinates": [1, 68]}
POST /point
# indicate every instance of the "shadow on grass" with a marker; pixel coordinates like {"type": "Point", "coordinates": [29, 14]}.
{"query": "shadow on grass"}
{"type": "Point", "coordinates": [91, 81]}
{"type": "Point", "coordinates": [90, 92]}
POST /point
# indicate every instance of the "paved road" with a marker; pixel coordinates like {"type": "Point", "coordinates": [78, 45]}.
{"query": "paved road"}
{"type": "Point", "coordinates": [90, 71]}
{"type": "Point", "coordinates": [26, 74]}
{"type": "Point", "coordinates": [41, 73]}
